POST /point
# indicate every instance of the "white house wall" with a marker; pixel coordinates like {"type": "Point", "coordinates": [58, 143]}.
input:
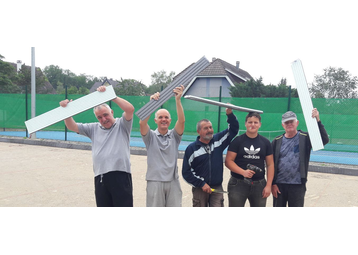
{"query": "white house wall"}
{"type": "Point", "coordinates": [209, 87]}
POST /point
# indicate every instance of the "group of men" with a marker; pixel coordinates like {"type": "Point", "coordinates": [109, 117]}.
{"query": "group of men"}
{"type": "Point", "coordinates": [250, 157]}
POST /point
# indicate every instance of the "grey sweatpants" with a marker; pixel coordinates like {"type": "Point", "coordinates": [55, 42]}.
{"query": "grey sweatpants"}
{"type": "Point", "coordinates": [164, 194]}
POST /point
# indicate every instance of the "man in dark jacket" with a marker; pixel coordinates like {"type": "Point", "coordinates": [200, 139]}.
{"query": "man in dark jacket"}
{"type": "Point", "coordinates": [292, 152]}
{"type": "Point", "coordinates": [203, 161]}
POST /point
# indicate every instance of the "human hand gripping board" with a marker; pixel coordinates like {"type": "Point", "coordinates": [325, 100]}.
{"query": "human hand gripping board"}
{"type": "Point", "coordinates": [307, 106]}
{"type": "Point", "coordinates": [75, 107]}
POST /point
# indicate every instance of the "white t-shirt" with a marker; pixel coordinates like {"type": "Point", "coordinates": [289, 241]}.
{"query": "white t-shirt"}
{"type": "Point", "coordinates": [110, 147]}
{"type": "Point", "coordinates": [162, 155]}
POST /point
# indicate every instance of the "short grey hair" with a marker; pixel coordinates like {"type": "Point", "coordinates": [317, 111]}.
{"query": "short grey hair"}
{"type": "Point", "coordinates": [198, 125]}
{"type": "Point", "coordinates": [100, 106]}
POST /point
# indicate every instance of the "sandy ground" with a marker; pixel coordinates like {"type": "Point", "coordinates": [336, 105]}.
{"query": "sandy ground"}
{"type": "Point", "coordinates": [40, 176]}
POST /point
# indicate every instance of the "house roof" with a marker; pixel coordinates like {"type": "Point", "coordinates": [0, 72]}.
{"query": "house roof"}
{"type": "Point", "coordinates": [220, 67]}
{"type": "Point", "coordinates": [105, 82]}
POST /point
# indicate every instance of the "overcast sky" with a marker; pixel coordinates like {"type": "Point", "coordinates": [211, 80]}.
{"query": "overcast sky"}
{"type": "Point", "coordinates": [134, 39]}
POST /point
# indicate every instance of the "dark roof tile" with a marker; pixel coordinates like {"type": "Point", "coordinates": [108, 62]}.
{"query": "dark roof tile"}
{"type": "Point", "coordinates": [220, 67]}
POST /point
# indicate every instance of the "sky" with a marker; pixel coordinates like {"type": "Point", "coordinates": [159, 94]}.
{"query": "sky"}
{"type": "Point", "coordinates": [134, 39]}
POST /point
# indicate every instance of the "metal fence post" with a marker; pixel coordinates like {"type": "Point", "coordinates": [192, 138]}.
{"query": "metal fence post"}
{"type": "Point", "coordinates": [219, 108]}
{"type": "Point", "coordinates": [289, 98]}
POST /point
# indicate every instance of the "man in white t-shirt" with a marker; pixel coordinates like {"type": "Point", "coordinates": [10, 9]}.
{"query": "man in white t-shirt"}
{"type": "Point", "coordinates": [110, 151]}
{"type": "Point", "coordinates": [163, 187]}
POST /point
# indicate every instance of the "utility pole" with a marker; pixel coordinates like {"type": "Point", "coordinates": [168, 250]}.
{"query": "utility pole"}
{"type": "Point", "coordinates": [33, 87]}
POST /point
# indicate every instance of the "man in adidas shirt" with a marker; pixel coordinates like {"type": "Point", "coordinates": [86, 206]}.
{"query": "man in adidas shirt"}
{"type": "Point", "coordinates": [291, 156]}
{"type": "Point", "coordinates": [250, 148]}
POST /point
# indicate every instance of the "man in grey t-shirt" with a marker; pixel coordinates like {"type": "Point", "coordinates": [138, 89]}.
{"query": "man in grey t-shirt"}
{"type": "Point", "coordinates": [163, 187]}
{"type": "Point", "coordinates": [110, 151]}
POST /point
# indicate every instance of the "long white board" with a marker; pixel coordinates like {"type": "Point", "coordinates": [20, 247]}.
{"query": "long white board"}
{"type": "Point", "coordinates": [75, 107]}
{"type": "Point", "coordinates": [306, 104]}
{"type": "Point", "coordinates": [231, 106]}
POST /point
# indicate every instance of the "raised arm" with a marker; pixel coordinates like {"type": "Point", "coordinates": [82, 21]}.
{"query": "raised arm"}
{"type": "Point", "coordinates": [69, 122]}
{"type": "Point", "coordinates": [180, 124]}
{"type": "Point", "coordinates": [126, 106]}
{"type": "Point", "coordinates": [233, 123]}
{"type": "Point", "coordinates": [322, 130]}
{"type": "Point", "coordinates": [143, 124]}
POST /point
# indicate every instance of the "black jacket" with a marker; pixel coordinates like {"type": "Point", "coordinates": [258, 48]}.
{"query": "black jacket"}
{"type": "Point", "coordinates": [304, 147]}
{"type": "Point", "coordinates": [203, 163]}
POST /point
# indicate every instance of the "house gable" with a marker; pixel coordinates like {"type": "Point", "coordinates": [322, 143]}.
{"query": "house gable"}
{"type": "Point", "coordinates": [106, 82]}
{"type": "Point", "coordinates": [218, 74]}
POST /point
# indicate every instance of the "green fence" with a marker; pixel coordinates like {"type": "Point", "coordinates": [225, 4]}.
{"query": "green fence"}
{"type": "Point", "coordinates": [340, 116]}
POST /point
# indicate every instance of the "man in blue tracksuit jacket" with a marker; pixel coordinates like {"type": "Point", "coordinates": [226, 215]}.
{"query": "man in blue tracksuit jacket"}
{"type": "Point", "coordinates": [203, 161]}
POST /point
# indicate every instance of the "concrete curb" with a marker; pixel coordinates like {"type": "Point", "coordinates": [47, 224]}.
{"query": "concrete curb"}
{"type": "Point", "coordinates": [333, 168]}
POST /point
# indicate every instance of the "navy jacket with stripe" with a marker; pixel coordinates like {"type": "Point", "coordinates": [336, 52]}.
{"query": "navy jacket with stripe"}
{"type": "Point", "coordinates": [203, 163]}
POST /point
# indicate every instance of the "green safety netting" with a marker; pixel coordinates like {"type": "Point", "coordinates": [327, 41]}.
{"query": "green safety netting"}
{"type": "Point", "coordinates": [340, 116]}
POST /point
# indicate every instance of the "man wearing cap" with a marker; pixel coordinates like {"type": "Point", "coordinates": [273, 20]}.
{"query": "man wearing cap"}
{"type": "Point", "coordinates": [292, 152]}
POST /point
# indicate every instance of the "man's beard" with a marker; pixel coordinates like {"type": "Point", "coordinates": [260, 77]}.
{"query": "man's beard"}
{"type": "Point", "coordinates": [208, 137]}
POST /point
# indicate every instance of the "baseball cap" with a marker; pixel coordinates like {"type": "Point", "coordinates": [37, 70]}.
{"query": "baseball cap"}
{"type": "Point", "coordinates": [288, 116]}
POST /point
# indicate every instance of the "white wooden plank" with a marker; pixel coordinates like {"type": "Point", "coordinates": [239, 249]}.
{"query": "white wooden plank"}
{"type": "Point", "coordinates": [306, 104]}
{"type": "Point", "coordinates": [75, 107]}
{"type": "Point", "coordinates": [231, 106]}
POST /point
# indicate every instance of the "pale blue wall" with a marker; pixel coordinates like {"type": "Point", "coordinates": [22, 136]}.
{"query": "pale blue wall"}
{"type": "Point", "coordinates": [209, 87]}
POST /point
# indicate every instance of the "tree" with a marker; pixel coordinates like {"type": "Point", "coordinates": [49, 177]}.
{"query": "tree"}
{"type": "Point", "coordinates": [71, 90]}
{"type": "Point", "coordinates": [281, 90]}
{"type": "Point", "coordinates": [60, 89]}
{"type": "Point", "coordinates": [240, 90]}
{"type": "Point", "coordinates": [160, 80]}
{"type": "Point", "coordinates": [251, 88]}
{"type": "Point", "coordinates": [334, 83]}
{"type": "Point", "coordinates": [24, 79]}
{"type": "Point", "coordinates": [83, 91]}
{"type": "Point", "coordinates": [256, 88]}
{"type": "Point", "coordinates": [8, 78]}
{"type": "Point", "coordinates": [130, 87]}
{"type": "Point", "coordinates": [54, 75]}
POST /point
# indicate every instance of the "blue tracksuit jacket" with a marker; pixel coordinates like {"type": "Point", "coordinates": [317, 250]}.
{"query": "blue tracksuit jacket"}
{"type": "Point", "coordinates": [203, 163]}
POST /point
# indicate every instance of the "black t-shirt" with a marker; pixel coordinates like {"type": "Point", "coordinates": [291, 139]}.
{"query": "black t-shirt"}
{"type": "Point", "coordinates": [251, 151]}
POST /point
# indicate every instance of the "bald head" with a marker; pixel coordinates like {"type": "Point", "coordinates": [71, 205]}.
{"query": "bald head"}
{"type": "Point", "coordinates": [162, 112]}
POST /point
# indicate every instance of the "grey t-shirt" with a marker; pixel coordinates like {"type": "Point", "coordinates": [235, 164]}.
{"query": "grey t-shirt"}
{"type": "Point", "coordinates": [110, 147]}
{"type": "Point", "coordinates": [289, 162]}
{"type": "Point", "coordinates": [162, 155]}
